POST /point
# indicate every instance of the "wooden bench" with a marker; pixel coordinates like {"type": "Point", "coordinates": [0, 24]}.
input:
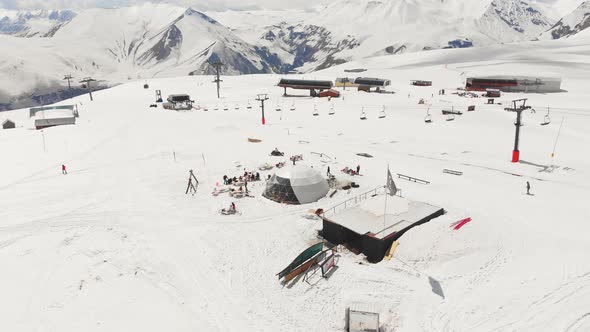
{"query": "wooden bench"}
{"type": "Point", "coordinates": [452, 172]}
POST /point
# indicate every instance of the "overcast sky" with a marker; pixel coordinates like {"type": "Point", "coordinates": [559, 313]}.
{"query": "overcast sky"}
{"type": "Point", "coordinates": [197, 4]}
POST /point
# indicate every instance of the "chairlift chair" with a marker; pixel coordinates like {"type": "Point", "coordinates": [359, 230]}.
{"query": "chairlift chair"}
{"type": "Point", "coordinates": [332, 111]}
{"type": "Point", "coordinates": [450, 117]}
{"type": "Point", "coordinates": [278, 109]}
{"type": "Point", "coordinates": [547, 119]}
{"type": "Point", "coordinates": [249, 106]}
{"type": "Point", "coordinates": [216, 108]}
{"type": "Point", "coordinates": [225, 108]}
{"type": "Point", "coordinates": [315, 111]}
{"type": "Point", "coordinates": [292, 107]}
{"type": "Point", "coordinates": [363, 114]}
{"type": "Point", "coordinates": [382, 114]}
{"type": "Point", "coordinates": [428, 117]}
{"type": "Point", "coordinates": [237, 107]}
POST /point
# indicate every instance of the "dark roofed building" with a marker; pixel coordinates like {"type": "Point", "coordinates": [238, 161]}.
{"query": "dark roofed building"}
{"type": "Point", "coordinates": [311, 85]}
{"type": "Point", "coordinates": [372, 82]}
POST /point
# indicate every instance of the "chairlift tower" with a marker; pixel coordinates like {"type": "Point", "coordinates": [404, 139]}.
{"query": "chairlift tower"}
{"type": "Point", "coordinates": [69, 79]}
{"type": "Point", "coordinates": [217, 65]}
{"type": "Point", "coordinates": [518, 106]}
{"type": "Point", "coordinates": [262, 98]}
{"type": "Point", "coordinates": [87, 81]}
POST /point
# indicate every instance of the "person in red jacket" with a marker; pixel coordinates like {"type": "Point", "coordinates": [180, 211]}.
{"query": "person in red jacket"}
{"type": "Point", "coordinates": [63, 170]}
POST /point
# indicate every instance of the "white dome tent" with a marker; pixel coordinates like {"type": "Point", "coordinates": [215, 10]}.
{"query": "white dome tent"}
{"type": "Point", "coordinates": [297, 184]}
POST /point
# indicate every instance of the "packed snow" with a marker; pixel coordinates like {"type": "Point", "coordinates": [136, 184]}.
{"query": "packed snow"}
{"type": "Point", "coordinates": [116, 245]}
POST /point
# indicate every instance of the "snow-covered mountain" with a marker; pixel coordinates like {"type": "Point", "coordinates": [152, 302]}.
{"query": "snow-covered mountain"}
{"type": "Point", "coordinates": [160, 40]}
{"type": "Point", "coordinates": [571, 24]}
{"type": "Point", "coordinates": [39, 23]}
{"type": "Point", "coordinates": [351, 29]}
{"type": "Point", "coordinates": [121, 44]}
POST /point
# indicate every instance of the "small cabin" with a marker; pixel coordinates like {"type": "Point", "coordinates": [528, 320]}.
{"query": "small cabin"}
{"type": "Point", "coordinates": [178, 102]}
{"type": "Point", "coordinates": [421, 83]}
{"type": "Point", "coordinates": [493, 93]}
{"type": "Point", "coordinates": [8, 124]}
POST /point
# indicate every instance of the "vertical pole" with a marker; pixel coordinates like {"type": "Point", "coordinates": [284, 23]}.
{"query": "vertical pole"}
{"type": "Point", "coordinates": [557, 139]}
{"type": "Point", "coordinates": [516, 152]}
{"type": "Point", "coordinates": [43, 135]}
{"type": "Point", "coordinates": [385, 208]}
{"type": "Point", "coordinates": [90, 91]}
{"type": "Point", "coordinates": [263, 119]}
{"type": "Point", "coordinates": [217, 80]}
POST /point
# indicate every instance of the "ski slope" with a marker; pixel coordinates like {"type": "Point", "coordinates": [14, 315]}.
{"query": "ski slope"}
{"type": "Point", "coordinates": [115, 245]}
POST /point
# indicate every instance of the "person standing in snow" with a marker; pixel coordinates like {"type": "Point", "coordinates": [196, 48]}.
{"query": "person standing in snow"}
{"type": "Point", "coordinates": [328, 172]}
{"type": "Point", "coordinates": [63, 170]}
{"type": "Point", "coordinates": [528, 188]}
{"type": "Point", "coordinates": [358, 169]}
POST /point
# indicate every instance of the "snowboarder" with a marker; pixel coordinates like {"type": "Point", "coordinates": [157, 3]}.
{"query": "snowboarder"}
{"type": "Point", "coordinates": [358, 169]}
{"type": "Point", "coordinates": [528, 188]}
{"type": "Point", "coordinates": [63, 170]}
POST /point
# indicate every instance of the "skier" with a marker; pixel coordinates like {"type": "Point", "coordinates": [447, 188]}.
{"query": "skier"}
{"type": "Point", "coordinates": [358, 169]}
{"type": "Point", "coordinates": [528, 188]}
{"type": "Point", "coordinates": [225, 179]}
{"type": "Point", "coordinates": [63, 170]}
{"type": "Point", "coordinates": [232, 207]}
{"type": "Point", "coordinates": [328, 173]}
{"type": "Point", "coordinates": [246, 186]}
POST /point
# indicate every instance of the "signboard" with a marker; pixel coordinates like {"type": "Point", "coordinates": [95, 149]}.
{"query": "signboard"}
{"type": "Point", "coordinates": [328, 264]}
{"type": "Point", "coordinates": [304, 256]}
{"type": "Point", "coordinates": [361, 321]}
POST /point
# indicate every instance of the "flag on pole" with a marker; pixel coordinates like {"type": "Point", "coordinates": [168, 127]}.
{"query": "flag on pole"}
{"type": "Point", "coordinates": [391, 184]}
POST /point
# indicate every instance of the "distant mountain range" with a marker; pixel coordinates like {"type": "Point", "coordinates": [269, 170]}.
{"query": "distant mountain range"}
{"type": "Point", "coordinates": [139, 42]}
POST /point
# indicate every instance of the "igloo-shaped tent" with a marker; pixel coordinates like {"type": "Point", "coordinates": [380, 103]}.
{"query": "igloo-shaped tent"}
{"type": "Point", "coordinates": [297, 184]}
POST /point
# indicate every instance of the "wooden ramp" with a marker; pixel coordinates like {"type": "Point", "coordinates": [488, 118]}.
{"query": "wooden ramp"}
{"type": "Point", "coordinates": [391, 250]}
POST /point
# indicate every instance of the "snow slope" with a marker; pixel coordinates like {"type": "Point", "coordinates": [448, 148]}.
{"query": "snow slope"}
{"type": "Point", "coordinates": [116, 245]}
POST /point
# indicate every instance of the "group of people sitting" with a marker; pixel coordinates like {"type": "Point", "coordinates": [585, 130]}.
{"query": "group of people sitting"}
{"type": "Point", "coordinates": [230, 210]}
{"type": "Point", "coordinates": [247, 177]}
{"type": "Point", "coordinates": [296, 158]}
{"type": "Point", "coordinates": [277, 153]}
{"type": "Point", "coordinates": [352, 171]}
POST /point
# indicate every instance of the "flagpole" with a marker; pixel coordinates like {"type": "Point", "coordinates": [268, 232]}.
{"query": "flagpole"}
{"type": "Point", "coordinates": [386, 194]}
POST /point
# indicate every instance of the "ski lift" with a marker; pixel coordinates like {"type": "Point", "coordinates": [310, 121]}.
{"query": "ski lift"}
{"type": "Point", "coordinates": [428, 117]}
{"type": "Point", "coordinates": [363, 114]}
{"type": "Point", "coordinates": [249, 106]}
{"type": "Point", "coordinates": [332, 111]}
{"type": "Point", "coordinates": [292, 107]}
{"type": "Point", "coordinates": [382, 115]}
{"type": "Point", "coordinates": [547, 119]}
{"type": "Point", "coordinates": [315, 111]}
